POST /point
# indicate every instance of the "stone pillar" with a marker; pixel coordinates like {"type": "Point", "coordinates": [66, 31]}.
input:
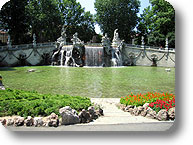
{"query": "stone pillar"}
{"type": "Point", "coordinates": [9, 41]}
{"type": "Point", "coordinates": [166, 46]}
{"type": "Point", "coordinates": [142, 42]}
{"type": "Point", "coordinates": [133, 41]}
{"type": "Point", "coordinates": [34, 40]}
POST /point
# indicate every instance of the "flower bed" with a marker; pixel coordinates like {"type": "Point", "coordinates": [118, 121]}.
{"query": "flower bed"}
{"type": "Point", "coordinates": [158, 104]}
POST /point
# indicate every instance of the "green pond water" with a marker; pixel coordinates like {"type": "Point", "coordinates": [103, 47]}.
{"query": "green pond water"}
{"type": "Point", "coordinates": [90, 82]}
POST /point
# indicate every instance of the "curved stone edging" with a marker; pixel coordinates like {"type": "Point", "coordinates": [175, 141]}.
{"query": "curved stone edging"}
{"type": "Point", "coordinates": [69, 116]}
{"type": "Point", "coordinates": [148, 112]}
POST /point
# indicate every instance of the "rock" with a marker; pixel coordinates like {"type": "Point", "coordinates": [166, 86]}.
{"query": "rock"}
{"type": "Point", "coordinates": [91, 110]}
{"type": "Point", "coordinates": [171, 113]}
{"type": "Point", "coordinates": [121, 106]}
{"type": "Point", "coordinates": [131, 111]}
{"type": "Point", "coordinates": [84, 116]}
{"type": "Point", "coordinates": [3, 121]}
{"type": "Point", "coordinates": [144, 112]}
{"type": "Point", "coordinates": [29, 121]}
{"type": "Point", "coordinates": [52, 120]}
{"type": "Point", "coordinates": [128, 108]}
{"type": "Point", "coordinates": [69, 116]}
{"type": "Point", "coordinates": [31, 70]}
{"type": "Point", "coordinates": [168, 70]}
{"type": "Point", "coordinates": [137, 110]}
{"type": "Point", "coordinates": [151, 113]}
{"type": "Point", "coordinates": [53, 116]}
{"type": "Point", "coordinates": [94, 116]}
{"type": "Point", "coordinates": [38, 121]}
{"type": "Point", "coordinates": [162, 115]}
{"type": "Point", "coordinates": [10, 122]}
{"type": "Point", "coordinates": [146, 105]}
{"type": "Point", "coordinates": [18, 121]}
{"type": "Point", "coordinates": [101, 111]}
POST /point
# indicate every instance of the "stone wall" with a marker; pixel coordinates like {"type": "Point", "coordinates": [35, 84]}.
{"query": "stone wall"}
{"type": "Point", "coordinates": [21, 55]}
{"type": "Point", "coordinates": [26, 55]}
{"type": "Point", "coordinates": [148, 56]}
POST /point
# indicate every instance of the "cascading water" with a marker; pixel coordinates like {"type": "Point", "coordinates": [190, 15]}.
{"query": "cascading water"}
{"type": "Point", "coordinates": [68, 55]}
{"type": "Point", "coordinates": [62, 57]}
{"type": "Point", "coordinates": [94, 56]}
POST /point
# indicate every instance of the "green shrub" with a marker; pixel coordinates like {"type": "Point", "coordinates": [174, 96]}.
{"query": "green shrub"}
{"type": "Point", "coordinates": [31, 103]}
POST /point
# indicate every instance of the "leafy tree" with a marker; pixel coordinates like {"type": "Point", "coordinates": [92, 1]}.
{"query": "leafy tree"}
{"type": "Point", "coordinates": [44, 19]}
{"type": "Point", "coordinates": [76, 19]}
{"type": "Point", "coordinates": [13, 19]}
{"type": "Point", "coordinates": [117, 14]}
{"type": "Point", "coordinates": [157, 23]}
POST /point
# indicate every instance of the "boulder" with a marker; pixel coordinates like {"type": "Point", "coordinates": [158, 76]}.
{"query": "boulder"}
{"type": "Point", "coordinates": [91, 110]}
{"type": "Point", "coordinates": [52, 120]}
{"type": "Point", "coordinates": [38, 121]}
{"type": "Point", "coordinates": [171, 113]}
{"type": "Point", "coordinates": [128, 108]}
{"type": "Point", "coordinates": [144, 112]}
{"type": "Point", "coordinates": [69, 116]}
{"type": "Point", "coordinates": [84, 116]}
{"type": "Point", "coordinates": [3, 121]}
{"type": "Point", "coordinates": [101, 111]}
{"type": "Point", "coordinates": [18, 121]}
{"type": "Point", "coordinates": [131, 110]}
{"type": "Point", "coordinates": [146, 105]}
{"type": "Point", "coordinates": [94, 116]}
{"type": "Point", "coordinates": [10, 121]}
{"type": "Point", "coordinates": [29, 121]}
{"type": "Point", "coordinates": [31, 70]}
{"type": "Point", "coordinates": [121, 106]}
{"type": "Point", "coordinates": [162, 115]}
{"type": "Point", "coordinates": [137, 110]}
{"type": "Point", "coordinates": [151, 113]}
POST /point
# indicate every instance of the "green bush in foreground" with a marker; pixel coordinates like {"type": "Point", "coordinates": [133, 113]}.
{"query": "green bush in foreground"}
{"type": "Point", "coordinates": [26, 103]}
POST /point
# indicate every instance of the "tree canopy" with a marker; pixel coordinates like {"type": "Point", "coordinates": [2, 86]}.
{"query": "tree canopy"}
{"type": "Point", "coordinates": [158, 23]}
{"type": "Point", "coordinates": [22, 18]}
{"type": "Point", "coordinates": [117, 14]}
{"type": "Point", "coordinates": [45, 18]}
{"type": "Point", "coordinates": [13, 19]}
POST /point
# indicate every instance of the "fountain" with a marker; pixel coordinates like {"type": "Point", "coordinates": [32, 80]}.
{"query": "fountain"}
{"type": "Point", "coordinates": [79, 55]}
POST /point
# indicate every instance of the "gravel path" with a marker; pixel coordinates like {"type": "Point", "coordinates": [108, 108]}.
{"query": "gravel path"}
{"type": "Point", "coordinates": [114, 115]}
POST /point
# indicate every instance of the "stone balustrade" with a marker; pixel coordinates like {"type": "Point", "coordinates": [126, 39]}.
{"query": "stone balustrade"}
{"type": "Point", "coordinates": [137, 54]}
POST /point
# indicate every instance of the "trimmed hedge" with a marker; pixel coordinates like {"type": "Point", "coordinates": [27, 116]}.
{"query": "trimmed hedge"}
{"type": "Point", "coordinates": [31, 103]}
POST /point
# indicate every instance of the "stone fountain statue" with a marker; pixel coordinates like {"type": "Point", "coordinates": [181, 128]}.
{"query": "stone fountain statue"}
{"type": "Point", "coordinates": [106, 43]}
{"type": "Point", "coordinates": [61, 41]}
{"type": "Point", "coordinates": [68, 55]}
{"type": "Point", "coordinates": [116, 39]}
{"type": "Point", "coordinates": [76, 40]}
{"type": "Point", "coordinates": [117, 47]}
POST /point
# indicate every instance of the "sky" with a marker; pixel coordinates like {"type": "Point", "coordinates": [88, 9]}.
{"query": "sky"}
{"type": "Point", "coordinates": [89, 6]}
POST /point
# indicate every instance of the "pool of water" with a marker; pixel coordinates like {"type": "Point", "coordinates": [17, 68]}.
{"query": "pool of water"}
{"type": "Point", "coordinates": [90, 82]}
